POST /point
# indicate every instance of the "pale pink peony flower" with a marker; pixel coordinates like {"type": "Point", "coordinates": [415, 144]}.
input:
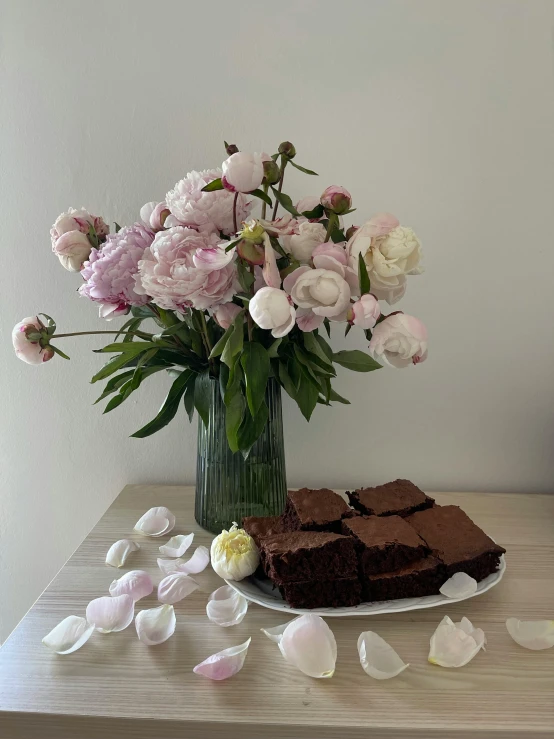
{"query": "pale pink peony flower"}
{"type": "Point", "coordinates": [336, 199]}
{"type": "Point", "coordinates": [110, 272]}
{"type": "Point", "coordinates": [77, 220]}
{"type": "Point", "coordinates": [72, 249]}
{"type": "Point", "coordinates": [307, 320]}
{"type": "Point", "coordinates": [225, 314]}
{"type": "Point", "coordinates": [184, 268]}
{"type": "Point", "coordinates": [271, 309]}
{"type": "Point", "coordinates": [154, 215]}
{"type": "Point", "coordinates": [191, 207]}
{"type": "Point", "coordinates": [334, 257]}
{"type": "Point", "coordinates": [301, 244]}
{"type": "Point", "coordinates": [29, 351]}
{"type": "Point", "coordinates": [324, 291]}
{"type": "Point", "coordinates": [283, 226]}
{"type": "Point", "coordinates": [398, 341]}
{"type": "Point", "coordinates": [365, 312]}
{"type": "Point", "coordinates": [243, 172]}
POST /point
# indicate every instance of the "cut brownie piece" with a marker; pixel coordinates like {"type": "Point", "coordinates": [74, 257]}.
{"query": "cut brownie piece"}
{"type": "Point", "coordinates": [459, 543]}
{"type": "Point", "coordinates": [314, 510]}
{"type": "Point", "coordinates": [398, 498]}
{"type": "Point", "coordinates": [384, 543]}
{"type": "Point", "coordinates": [420, 578]}
{"type": "Point", "coordinates": [322, 593]}
{"type": "Point", "coordinates": [260, 527]}
{"type": "Point", "coordinates": [309, 555]}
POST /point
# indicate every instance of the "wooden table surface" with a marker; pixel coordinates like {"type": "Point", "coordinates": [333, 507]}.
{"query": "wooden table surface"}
{"type": "Point", "coordinates": [115, 686]}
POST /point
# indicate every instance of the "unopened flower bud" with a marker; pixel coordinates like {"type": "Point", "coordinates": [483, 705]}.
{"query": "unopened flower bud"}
{"type": "Point", "coordinates": [250, 252]}
{"type": "Point", "coordinates": [272, 172]}
{"type": "Point", "coordinates": [231, 148]}
{"type": "Point", "coordinates": [287, 149]}
{"type": "Point", "coordinates": [350, 232]}
{"type": "Point", "coordinates": [253, 231]}
{"type": "Point", "coordinates": [336, 199]}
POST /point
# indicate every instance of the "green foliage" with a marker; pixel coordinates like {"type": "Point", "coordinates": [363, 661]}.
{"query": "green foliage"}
{"type": "Point", "coordinates": [285, 201]}
{"type": "Point", "coordinates": [262, 195]}
{"type": "Point", "coordinates": [255, 365]}
{"type": "Point", "coordinates": [365, 284]}
{"type": "Point", "coordinates": [302, 169]}
{"type": "Point", "coordinates": [356, 360]}
{"type": "Point", "coordinates": [203, 395]}
{"type": "Point", "coordinates": [216, 184]}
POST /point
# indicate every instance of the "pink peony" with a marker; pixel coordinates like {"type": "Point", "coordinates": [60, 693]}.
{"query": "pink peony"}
{"type": "Point", "coordinates": [225, 314]}
{"type": "Point", "coordinates": [242, 172]}
{"type": "Point", "coordinates": [365, 312]}
{"type": "Point", "coordinates": [30, 351]}
{"type": "Point", "coordinates": [399, 340]}
{"type": "Point", "coordinates": [185, 268]}
{"type": "Point", "coordinates": [77, 220]}
{"type": "Point", "coordinates": [154, 215]}
{"type": "Point", "coordinates": [194, 208]}
{"type": "Point", "coordinates": [283, 226]}
{"type": "Point", "coordinates": [110, 272]}
{"type": "Point", "coordinates": [336, 199]}
{"type": "Point", "coordinates": [72, 249]}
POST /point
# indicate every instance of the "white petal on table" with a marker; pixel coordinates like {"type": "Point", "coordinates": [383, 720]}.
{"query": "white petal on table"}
{"type": "Point", "coordinates": [224, 664]}
{"type": "Point", "coordinates": [193, 566]}
{"type": "Point", "coordinates": [177, 545]}
{"type": "Point", "coordinates": [454, 645]}
{"type": "Point", "coordinates": [136, 583]}
{"type": "Point", "coordinates": [156, 522]}
{"type": "Point", "coordinates": [460, 585]}
{"type": "Point", "coordinates": [175, 587]}
{"type": "Point", "coordinates": [308, 644]}
{"type": "Point", "coordinates": [119, 551]}
{"type": "Point", "coordinates": [69, 635]}
{"type": "Point", "coordinates": [378, 658]}
{"type": "Point", "coordinates": [531, 634]}
{"type": "Point", "coordinates": [156, 625]}
{"type": "Point", "coordinates": [111, 614]}
{"type": "Point", "coordinates": [226, 607]}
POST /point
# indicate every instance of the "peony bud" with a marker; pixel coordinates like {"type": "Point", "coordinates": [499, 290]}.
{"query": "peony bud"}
{"type": "Point", "coordinates": [72, 249]}
{"type": "Point", "coordinates": [365, 312]}
{"type": "Point", "coordinates": [336, 199]}
{"type": "Point", "coordinates": [272, 172]}
{"type": "Point", "coordinates": [242, 172]}
{"type": "Point", "coordinates": [350, 232]}
{"type": "Point", "coordinates": [253, 231]}
{"type": "Point", "coordinates": [272, 309]}
{"type": "Point", "coordinates": [287, 149]}
{"type": "Point", "coordinates": [231, 148]}
{"type": "Point", "coordinates": [250, 252]}
{"type": "Point", "coordinates": [26, 344]}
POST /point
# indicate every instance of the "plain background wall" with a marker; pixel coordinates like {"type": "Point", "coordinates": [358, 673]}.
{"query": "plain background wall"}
{"type": "Point", "coordinates": [441, 111]}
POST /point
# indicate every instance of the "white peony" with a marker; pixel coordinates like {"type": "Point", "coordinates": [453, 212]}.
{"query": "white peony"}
{"type": "Point", "coordinates": [242, 172]}
{"type": "Point", "coordinates": [324, 291]}
{"type": "Point", "coordinates": [271, 309]}
{"type": "Point", "coordinates": [304, 241]}
{"type": "Point", "coordinates": [398, 341]}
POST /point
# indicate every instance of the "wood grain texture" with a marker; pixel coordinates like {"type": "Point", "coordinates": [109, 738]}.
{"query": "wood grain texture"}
{"type": "Point", "coordinates": [116, 686]}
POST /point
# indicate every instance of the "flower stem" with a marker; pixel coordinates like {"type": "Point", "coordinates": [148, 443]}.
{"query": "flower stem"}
{"type": "Point", "coordinates": [264, 204]}
{"type": "Point", "coordinates": [205, 332]}
{"type": "Point", "coordinates": [280, 186]}
{"type": "Point", "coordinates": [142, 334]}
{"type": "Point", "coordinates": [235, 225]}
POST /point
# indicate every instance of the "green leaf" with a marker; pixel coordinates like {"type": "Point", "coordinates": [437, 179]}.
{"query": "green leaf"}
{"type": "Point", "coordinates": [262, 195]}
{"type": "Point", "coordinates": [127, 347]}
{"type": "Point", "coordinates": [117, 227]}
{"type": "Point", "coordinates": [327, 324]}
{"type": "Point", "coordinates": [116, 401]}
{"type": "Point", "coordinates": [256, 365]}
{"type": "Point", "coordinates": [146, 357]}
{"type": "Point", "coordinates": [203, 395]}
{"type": "Point", "coordinates": [50, 323]}
{"type": "Point", "coordinates": [347, 329]}
{"type": "Point", "coordinates": [302, 169]}
{"type": "Point", "coordinates": [220, 346]}
{"type": "Point", "coordinates": [232, 244]}
{"type": "Point", "coordinates": [306, 397]}
{"type": "Point", "coordinates": [273, 351]}
{"type": "Point", "coordinates": [112, 366]}
{"type": "Point", "coordinates": [346, 212]}
{"type": "Point", "coordinates": [234, 345]}
{"type": "Point", "coordinates": [213, 185]}
{"type": "Point", "coordinates": [286, 381]}
{"type": "Point", "coordinates": [251, 428]}
{"type": "Point", "coordinates": [325, 348]}
{"type": "Point", "coordinates": [356, 360]}
{"type": "Point", "coordinates": [114, 384]}
{"type": "Point", "coordinates": [312, 344]}
{"type": "Point", "coordinates": [325, 383]}
{"type": "Point", "coordinates": [285, 201]}
{"type": "Point", "coordinates": [316, 213]}
{"type": "Point", "coordinates": [142, 311]}
{"type": "Point", "coordinates": [169, 407]}
{"type": "Point", "coordinates": [278, 248]}
{"type": "Point", "coordinates": [93, 236]}
{"type": "Point", "coordinates": [233, 383]}
{"type": "Point", "coordinates": [338, 398]}
{"type": "Point", "coordinates": [312, 367]}
{"type": "Point", "coordinates": [188, 398]}
{"type": "Point", "coordinates": [234, 413]}
{"type": "Point", "coordinates": [363, 276]}
{"type": "Point", "coordinates": [337, 236]}
{"type": "Point", "coordinates": [59, 351]}
{"type": "Point", "coordinates": [246, 278]}
{"type": "Point", "coordinates": [294, 368]}
{"type": "Point", "coordinates": [223, 379]}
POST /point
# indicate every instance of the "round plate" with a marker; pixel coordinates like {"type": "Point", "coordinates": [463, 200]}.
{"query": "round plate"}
{"type": "Point", "coordinates": [263, 593]}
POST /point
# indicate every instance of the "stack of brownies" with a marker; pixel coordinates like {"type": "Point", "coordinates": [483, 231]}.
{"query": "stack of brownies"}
{"type": "Point", "coordinates": [393, 543]}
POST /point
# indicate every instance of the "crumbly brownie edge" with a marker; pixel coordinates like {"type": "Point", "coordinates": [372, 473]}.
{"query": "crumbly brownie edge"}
{"type": "Point", "coordinates": [478, 568]}
{"type": "Point", "coordinates": [323, 593]}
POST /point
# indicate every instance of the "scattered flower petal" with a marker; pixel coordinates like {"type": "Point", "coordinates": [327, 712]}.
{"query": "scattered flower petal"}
{"type": "Point", "coordinates": [224, 664]}
{"type": "Point", "coordinates": [175, 587]}
{"type": "Point", "coordinates": [136, 583]}
{"type": "Point", "coordinates": [156, 522]}
{"type": "Point", "coordinates": [111, 614]}
{"type": "Point", "coordinates": [531, 634]}
{"type": "Point", "coordinates": [378, 658]}
{"type": "Point", "coordinates": [308, 644]}
{"type": "Point", "coordinates": [177, 545]}
{"type": "Point", "coordinates": [454, 645]}
{"type": "Point", "coordinates": [170, 566]}
{"type": "Point", "coordinates": [118, 552]}
{"type": "Point", "coordinates": [226, 607]}
{"type": "Point", "coordinates": [197, 563]}
{"type": "Point", "coordinates": [69, 635]}
{"type": "Point", "coordinates": [460, 585]}
{"type": "Point", "coordinates": [156, 625]}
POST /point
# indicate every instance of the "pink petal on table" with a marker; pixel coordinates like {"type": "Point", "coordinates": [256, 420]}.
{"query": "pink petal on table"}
{"type": "Point", "coordinates": [224, 664]}
{"type": "Point", "coordinates": [197, 563]}
{"type": "Point", "coordinates": [156, 522]}
{"type": "Point", "coordinates": [136, 583]}
{"type": "Point", "coordinates": [111, 614]}
{"type": "Point", "coordinates": [170, 566]}
{"type": "Point", "coordinates": [174, 588]}
{"type": "Point", "coordinates": [119, 551]}
{"type": "Point", "coordinates": [226, 607]}
{"type": "Point", "coordinates": [155, 625]}
{"type": "Point", "coordinates": [69, 635]}
{"type": "Point", "coordinates": [177, 545]}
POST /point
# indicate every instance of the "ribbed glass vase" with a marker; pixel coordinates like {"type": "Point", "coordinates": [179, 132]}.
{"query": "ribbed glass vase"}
{"type": "Point", "coordinates": [228, 486]}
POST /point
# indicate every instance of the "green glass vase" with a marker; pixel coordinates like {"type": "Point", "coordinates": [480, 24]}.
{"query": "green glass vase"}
{"type": "Point", "coordinates": [228, 486]}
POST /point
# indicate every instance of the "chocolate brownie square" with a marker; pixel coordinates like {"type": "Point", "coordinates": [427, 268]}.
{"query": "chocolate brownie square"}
{"type": "Point", "coordinates": [260, 527]}
{"type": "Point", "coordinates": [314, 510]}
{"type": "Point", "coordinates": [398, 498]}
{"type": "Point", "coordinates": [460, 544]}
{"type": "Point", "coordinates": [423, 577]}
{"type": "Point", "coordinates": [384, 543]}
{"type": "Point", "coordinates": [322, 593]}
{"type": "Point", "coordinates": [309, 555]}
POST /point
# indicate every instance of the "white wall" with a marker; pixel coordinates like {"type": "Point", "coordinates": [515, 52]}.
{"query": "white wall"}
{"type": "Point", "coordinates": [440, 111]}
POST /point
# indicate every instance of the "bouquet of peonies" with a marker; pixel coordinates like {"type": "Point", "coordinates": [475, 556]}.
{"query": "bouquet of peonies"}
{"type": "Point", "coordinates": [236, 298]}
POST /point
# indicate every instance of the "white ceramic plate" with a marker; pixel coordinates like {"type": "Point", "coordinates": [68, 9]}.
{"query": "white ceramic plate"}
{"type": "Point", "coordinates": [262, 593]}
